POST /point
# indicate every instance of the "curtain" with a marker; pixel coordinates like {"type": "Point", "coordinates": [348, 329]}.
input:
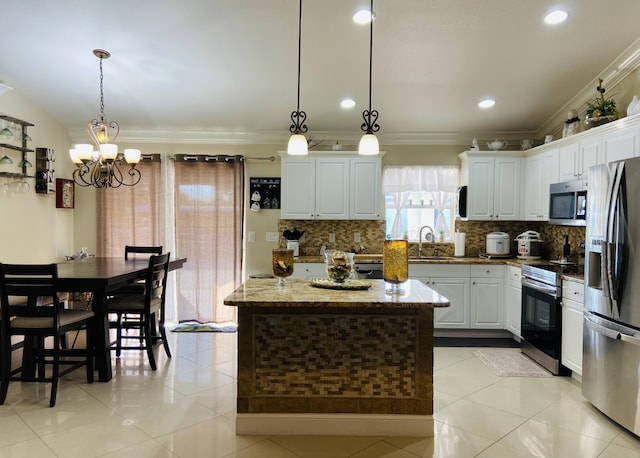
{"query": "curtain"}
{"type": "Point", "coordinates": [130, 215]}
{"type": "Point", "coordinates": [401, 181]}
{"type": "Point", "coordinates": [208, 200]}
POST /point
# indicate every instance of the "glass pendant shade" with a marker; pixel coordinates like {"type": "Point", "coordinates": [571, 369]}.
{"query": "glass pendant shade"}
{"type": "Point", "coordinates": [132, 156]}
{"type": "Point", "coordinates": [84, 151]}
{"type": "Point", "coordinates": [75, 158]}
{"type": "Point", "coordinates": [298, 145]}
{"type": "Point", "coordinates": [368, 145]}
{"type": "Point", "coordinates": [108, 151]}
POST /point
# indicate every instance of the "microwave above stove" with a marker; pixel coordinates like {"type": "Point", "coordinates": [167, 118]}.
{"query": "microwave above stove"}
{"type": "Point", "coordinates": [568, 203]}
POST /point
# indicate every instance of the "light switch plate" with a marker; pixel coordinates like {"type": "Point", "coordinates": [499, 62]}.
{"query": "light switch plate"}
{"type": "Point", "coordinates": [272, 237]}
{"type": "Point", "coordinates": [356, 237]}
{"type": "Point", "coordinates": [251, 236]}
{"type": "Point", "coordinates": [332, 238]}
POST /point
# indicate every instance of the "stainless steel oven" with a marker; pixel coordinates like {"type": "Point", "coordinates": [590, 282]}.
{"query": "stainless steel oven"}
{"type": "Point", "coordinates": [542, 316]}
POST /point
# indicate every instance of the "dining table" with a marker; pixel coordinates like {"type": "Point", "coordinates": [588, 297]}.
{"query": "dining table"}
{"type": "Point", "coordinates": [99, 276]}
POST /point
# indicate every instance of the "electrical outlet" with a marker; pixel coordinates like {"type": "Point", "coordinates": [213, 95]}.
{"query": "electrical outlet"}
{"type": "Point", "coordinates": [272, 237]}
{"type": "Point", "coordinates": [332, 238]}
{"type": "Point", "coordinates": [356, 237]}
{"type": "Point", "coordinates": [251, 236]}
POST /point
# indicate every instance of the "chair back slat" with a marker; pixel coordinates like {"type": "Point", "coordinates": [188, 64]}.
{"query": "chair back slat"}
{"type": "Point", "coordinates": [137, 249]}
{"type": "Point", "coordinates": [18, 281]}
{"type": "Point", "coordinates": [156, 280]}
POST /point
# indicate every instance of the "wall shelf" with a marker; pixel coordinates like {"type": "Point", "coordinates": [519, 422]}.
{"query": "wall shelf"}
{"type": "Point", "coordinates": [23, 137]}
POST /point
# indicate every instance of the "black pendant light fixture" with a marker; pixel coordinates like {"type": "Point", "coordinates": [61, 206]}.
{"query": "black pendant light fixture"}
{"type": "Point", "coordinates": [369, 145]}
{"type": "Point", "coordinates": [298, 145]}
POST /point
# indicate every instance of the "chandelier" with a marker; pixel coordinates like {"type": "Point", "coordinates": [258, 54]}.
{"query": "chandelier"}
{"type": "Point", "coordinates": [368, 145]}
{"type": "Point", "coordinates": [298, 145]}
{"type": "Point", "coordinates": [103, 167]}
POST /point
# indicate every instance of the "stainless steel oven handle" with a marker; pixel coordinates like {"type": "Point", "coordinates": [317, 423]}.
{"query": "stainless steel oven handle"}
{"type": "Point", "coordinates": [550, 290]}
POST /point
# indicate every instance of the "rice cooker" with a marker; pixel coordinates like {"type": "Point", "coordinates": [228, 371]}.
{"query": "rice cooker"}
{"type": "Point", "coordinates": [498, 244]}
{"type": "Point", "coordinates": [529, 245]}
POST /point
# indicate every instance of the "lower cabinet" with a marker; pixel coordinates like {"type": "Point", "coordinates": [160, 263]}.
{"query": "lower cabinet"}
{"type": "Point", "coordinates": [308, 270]}
{"type": "Point", "coordinates": [572, 323]}
{"type": "Point", "coordinates": [475, 292]}
{"type": "Point", "coordinates": [513, 301]}
{"type": "Point", "coordinates": [487, 297]}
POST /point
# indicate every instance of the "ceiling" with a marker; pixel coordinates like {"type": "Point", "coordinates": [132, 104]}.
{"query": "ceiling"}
{"type": "Point", "coordinates": [226, 70]}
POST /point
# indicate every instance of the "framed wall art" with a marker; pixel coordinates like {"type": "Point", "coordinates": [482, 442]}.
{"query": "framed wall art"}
{"type": "Point", "coordinates": [65, 193]}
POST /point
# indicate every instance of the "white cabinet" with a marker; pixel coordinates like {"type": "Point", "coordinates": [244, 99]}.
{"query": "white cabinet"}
{"type": "Point", "coordinates": [366, 188]}
{"type": "Point", "coordinates": [542, 170]}
{"type": "Point", "coordinates": [513, 300]}
{"type": "Point", "coordinates": [487, 299]}
{"type": "Point", "coordinates": [308, 270]}
{"type": "Point", "coordinates": [493, 182]}
{"type": "Point", "coordinates": [576, 158]}
{"type": "Point", "coordinates": [452, 281]}
{"type": "Point", "coordinates": [621, 144]}
{"type": "Point", "coordinates": [333, 187]}
{"type": "Point", "coordinates": [572, 324]}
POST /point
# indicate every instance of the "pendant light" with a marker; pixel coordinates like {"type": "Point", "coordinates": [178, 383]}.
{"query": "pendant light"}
{"type": "Point", "coordinates": [298, 145]}
{"type": "Point", "coordinates": [368, 145]}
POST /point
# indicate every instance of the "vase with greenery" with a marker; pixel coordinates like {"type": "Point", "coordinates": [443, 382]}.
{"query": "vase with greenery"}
{"type": "Point", "coordinates": [600, 110]}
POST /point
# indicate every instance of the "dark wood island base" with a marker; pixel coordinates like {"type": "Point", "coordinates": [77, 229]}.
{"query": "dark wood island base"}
{"type": "Point", "coordinates": [314, 361]}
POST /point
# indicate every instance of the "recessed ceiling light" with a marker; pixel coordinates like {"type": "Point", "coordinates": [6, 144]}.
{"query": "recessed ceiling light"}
{"type": "Point", "coordinates": [486, 103]}
{"type": "Point", "coordinates": [556, 17]}
{"type": "Point", "coordinates": [363, 16]}
{"type": "Point", "coordinates": [347, 104]}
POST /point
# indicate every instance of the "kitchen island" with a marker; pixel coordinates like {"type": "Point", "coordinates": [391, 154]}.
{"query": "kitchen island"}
{"type": "Point", "coordinates": [324, 361]}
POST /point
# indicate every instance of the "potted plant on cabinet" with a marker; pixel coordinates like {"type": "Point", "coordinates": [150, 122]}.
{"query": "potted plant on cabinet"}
{"type": "Point", "coordinates": [600, 110]}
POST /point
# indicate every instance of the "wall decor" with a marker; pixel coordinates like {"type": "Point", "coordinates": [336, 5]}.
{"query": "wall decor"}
{"type": "Point", "coordinates": [264, 193]}
{"type": "Point", "coordinates": [65, 193]}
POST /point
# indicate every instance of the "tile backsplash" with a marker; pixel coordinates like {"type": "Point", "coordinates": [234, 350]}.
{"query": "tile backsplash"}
{"type": "Point", "coordinates": [372, 234]}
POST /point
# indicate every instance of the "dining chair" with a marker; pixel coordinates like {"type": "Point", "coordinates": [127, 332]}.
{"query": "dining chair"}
{"type": "Point", "coordinates": [146, 306]}
{"type": "Point", "coordinates": [123, 321]}
{"type": "Point", "coordinates": [34, 322]}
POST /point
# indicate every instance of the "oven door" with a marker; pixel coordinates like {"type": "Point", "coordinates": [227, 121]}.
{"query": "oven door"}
{"type": "Point", "coordinates": [541, 317]}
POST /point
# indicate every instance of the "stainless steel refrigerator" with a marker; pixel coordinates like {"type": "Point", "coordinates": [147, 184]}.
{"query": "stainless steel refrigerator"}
{"type": "Point", "coordinates": [611, 354]}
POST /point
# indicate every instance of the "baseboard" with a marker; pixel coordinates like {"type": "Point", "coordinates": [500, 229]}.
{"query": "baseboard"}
{"type": "Point", "coordinates": [334, 425]}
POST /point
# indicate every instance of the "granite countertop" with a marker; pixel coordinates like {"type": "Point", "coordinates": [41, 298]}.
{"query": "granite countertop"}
{"type": "Point", "coordinates": [263, 292]}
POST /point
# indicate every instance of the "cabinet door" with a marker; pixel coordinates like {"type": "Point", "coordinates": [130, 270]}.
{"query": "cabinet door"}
{"type": "Point", "coordinates": [298, 188]}
{"type": "Point", "coordinates": [456, 316]}
{"type": "Point", "coordinates": [486, 303]}
{"type": "Point", "coordinates": [332, 188]}
{"type": "Point", "coordinates": [366, 189]}
{"type": "Point", "coordinates": [572, 323]}
{"type": "Point", "coordinates": [622, 144]}
{"type": "Point", "coordinates": [568, 162]}
{"type": "Point", "coordinates": [506, 190]}
{"type": "Point", "coordinates": [308, 270]}
{"type": "Point", "coordinates": [513, 308]}
{"type": "Point", "coordinates": [589, 155]}
{"type": "Point", "coordinates": [481, 180]}
{"type": "Point", "coordinates": [550, 165]}
{"type": "Point", "coordinates": [533, 210]}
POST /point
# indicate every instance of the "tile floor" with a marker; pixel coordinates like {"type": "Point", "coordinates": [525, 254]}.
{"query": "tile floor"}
{"type": "Point", "coordinates": [187, 408]}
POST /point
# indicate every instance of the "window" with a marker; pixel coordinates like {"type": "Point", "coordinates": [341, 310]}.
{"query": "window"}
{"type": "Point", "coordinates": [417, 196]}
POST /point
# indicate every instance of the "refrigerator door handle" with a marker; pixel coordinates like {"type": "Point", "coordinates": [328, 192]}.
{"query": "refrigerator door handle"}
{"type": "Point", "coordinates": [630, 339]}
{"type": "Point", "coordinates": [612, 334]}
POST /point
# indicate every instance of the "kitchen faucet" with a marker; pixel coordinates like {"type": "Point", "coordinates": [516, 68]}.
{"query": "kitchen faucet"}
{"type": "Point", "coordinates": [420, 239]}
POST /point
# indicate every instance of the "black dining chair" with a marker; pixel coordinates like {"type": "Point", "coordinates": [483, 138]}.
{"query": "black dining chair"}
{"type": "Point", "coordinates": [148, 306]}
{"type": "Point", "coordinates": [21, 286]}
{"type": "Point", "coordinates": [123, 321]}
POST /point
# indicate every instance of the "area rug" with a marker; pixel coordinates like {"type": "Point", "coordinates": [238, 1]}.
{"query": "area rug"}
{"type": "Point", "coordinates": [194, 326]}
{"type": "Point", "coordinates": [510, 362]}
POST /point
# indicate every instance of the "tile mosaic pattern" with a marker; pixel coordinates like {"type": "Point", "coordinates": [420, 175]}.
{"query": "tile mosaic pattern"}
{"type": "Point", "coordinates": [335, 355]}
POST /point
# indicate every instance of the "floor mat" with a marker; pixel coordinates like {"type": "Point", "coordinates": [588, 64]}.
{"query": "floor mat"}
{"type": "Point", "coordinates": [194, 326]}
{"type": "Point", "coordinates": [510, 362]}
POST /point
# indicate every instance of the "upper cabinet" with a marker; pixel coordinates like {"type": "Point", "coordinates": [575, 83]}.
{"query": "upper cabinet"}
{"type": "Point", "coordinates": [621, 144]}
{"type": "Point", "coordinates": [493, 185]}
{"type": "Point", "coordinates": [541, 171]}
{"type": "Point", "coordinates": [330, 186]}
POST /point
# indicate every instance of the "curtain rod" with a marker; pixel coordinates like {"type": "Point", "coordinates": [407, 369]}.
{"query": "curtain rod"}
{"type": "Point", "coordinates": [218, 158]}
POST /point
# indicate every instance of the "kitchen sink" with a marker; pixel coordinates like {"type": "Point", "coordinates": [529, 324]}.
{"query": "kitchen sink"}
{"type": "Point", "coordinates": [431, 258]}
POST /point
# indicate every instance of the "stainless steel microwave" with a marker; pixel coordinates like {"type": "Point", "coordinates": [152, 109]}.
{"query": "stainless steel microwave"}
{"type": "Point", "coordinates": [568, 203]}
